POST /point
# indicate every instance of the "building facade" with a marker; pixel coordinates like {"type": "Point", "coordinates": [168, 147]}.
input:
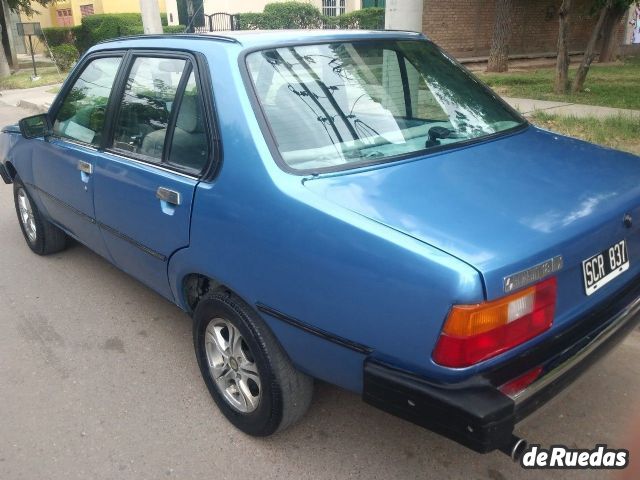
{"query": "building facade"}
{"type": "Point", "coordinates": [70, 12]}
{"type": "Point", "coordinates": [465, 28]}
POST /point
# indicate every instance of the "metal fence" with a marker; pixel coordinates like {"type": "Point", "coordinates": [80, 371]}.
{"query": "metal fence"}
{"type": "Point", "coordinates": [216, 22]}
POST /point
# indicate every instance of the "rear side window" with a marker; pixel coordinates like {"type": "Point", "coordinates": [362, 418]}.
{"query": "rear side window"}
{"type": "Point", "coordinates": [189, 145]}
{"type": "Point", "coordinates": [82, 114]}
{"type": "Point", "coordinates": [149, 95]}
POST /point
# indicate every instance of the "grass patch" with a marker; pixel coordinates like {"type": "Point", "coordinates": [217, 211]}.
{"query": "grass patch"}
{"type": "Point", "coordinates": [622, 132]}
{"type": "Point", "coordinates": [608, 86]}
{"type": "Point", "coordinates": [22, 78]}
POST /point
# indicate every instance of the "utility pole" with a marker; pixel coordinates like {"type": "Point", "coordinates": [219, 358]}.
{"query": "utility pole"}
{"type": "Point", "coordinates": [150, 16]}
{"type": "Point", "coordinates": [404, 15]}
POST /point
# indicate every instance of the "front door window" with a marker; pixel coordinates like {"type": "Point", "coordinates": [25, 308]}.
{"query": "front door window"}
{"type": "Point", "coordinates": [82, 114]}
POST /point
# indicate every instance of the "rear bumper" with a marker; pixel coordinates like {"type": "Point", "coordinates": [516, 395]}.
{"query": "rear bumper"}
{"type": "Point", "coordinates": [6, 178]}
{"type": "Point", "coordinates": [475, 412]}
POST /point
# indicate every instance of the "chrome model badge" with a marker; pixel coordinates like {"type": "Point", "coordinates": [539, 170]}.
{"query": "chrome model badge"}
{"type": "Point", "coordinates": [533, 274]}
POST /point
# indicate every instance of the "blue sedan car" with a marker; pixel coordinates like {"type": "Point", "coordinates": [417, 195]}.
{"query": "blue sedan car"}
{"type": "Point", "coordinates": [353, 207]}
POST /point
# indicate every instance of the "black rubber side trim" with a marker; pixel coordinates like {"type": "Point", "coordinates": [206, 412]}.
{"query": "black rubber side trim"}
{"type": "Point", "coordinates": [133, 242]}
{"type": "Point", "coordinates": [63, 204]}
{"type": "Point", "coordinates": [343, 342]}
{"type": "Point", "coordinates": [105, 227]}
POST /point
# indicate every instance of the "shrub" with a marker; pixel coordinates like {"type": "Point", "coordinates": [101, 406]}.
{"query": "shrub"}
{"type": "Point", "coordinates": [174, 29]}
{"type": "Point", "coordinates": [96, 28]}
{"type": "Point", "coordinates": [250, 21]}
{"type": "Point", "coordinates": [58, 35]}
{"type": "Point", "coordinates": [303, 15]}
{"type": "Point", "coordinates": [366, 19]}
{"type": "Point", "coordinates": [65, 56]}
{"type": "Point", "coordinates": [291, 15]}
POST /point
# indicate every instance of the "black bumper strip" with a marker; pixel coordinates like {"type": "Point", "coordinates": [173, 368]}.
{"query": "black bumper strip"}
{"type": "Point", "coordinates": [475, 412]}
{"type": "Point", "coordinates": [357, 347]}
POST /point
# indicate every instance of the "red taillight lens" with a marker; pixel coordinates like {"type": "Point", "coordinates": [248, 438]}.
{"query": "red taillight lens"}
{"type": "Point", "coordinates": [473, 333]}
{"type": "Point", "coordinates": [517, 385]}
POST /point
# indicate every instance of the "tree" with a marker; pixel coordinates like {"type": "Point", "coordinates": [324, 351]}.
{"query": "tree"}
{"type": "Point", "coordinates": [606, 9]}
{"type": "Point", "coordinates": [610, 40]}
{"type": "Point", "coordinates": [562, 64]}
{"type": "Point", "coordinates": [499, 55]}
{"type": "Point", "coordinates": [18, 6]}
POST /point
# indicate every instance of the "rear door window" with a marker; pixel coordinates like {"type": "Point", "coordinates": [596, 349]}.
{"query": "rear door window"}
{"type": "Point", "coordinates": [161, 117]}
{"type": "Point", "coordinates": [149, 95]}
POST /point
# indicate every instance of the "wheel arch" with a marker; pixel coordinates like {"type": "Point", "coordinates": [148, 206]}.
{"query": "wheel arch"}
{"type": "Point", "coordinates": [13, 173]}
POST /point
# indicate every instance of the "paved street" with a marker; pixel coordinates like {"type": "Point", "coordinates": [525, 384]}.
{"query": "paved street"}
{"type": "Point", "coordinates": [98, 380]}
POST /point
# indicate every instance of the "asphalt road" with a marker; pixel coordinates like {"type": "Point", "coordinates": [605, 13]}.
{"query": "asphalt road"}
{"type": "Point", "coordinates": [98, 380]}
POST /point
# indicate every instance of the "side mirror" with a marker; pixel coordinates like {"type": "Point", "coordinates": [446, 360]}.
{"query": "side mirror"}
{"type": "Point", "coordinates": [35, 126]}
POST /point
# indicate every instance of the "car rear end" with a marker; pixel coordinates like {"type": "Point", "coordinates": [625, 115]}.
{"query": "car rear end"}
{"type": "Point", "coordinates": [395, 131]}
{"type": "Point", "coordinates": [558, 318]}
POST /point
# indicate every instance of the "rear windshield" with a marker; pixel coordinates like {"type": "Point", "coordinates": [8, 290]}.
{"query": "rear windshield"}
{"type": "Point", "coordinates": [341, 105]}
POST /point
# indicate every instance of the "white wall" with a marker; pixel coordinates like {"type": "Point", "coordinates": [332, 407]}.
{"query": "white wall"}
{"type": "Point", "coordinates": [172, 12]}
{"type": "Point", "coordinates": [404, 15]}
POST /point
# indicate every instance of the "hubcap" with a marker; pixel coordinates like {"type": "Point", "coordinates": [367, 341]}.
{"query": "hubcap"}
{"type": "Point", "coordinates": [26, 215]}
{"type": "Point", "coordinates": [232, 365]}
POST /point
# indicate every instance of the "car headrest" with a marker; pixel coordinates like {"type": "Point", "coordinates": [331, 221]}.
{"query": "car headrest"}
{"type": "Point", "coordinates": [188, 117]}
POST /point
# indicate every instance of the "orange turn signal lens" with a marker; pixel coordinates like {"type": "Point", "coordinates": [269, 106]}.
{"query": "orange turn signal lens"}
{"type": "Point", "coordinates": [474, 333]}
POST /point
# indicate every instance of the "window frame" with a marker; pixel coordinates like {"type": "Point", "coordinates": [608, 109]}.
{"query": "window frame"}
{"type": "Point", "coordinates": [70, 83]}
{"type": "Point", "coordinates": [194, 63]}
{"type": "Point", "coordinates": [339, 8]}
{"type": "Point", "coordinates": [272, 143]}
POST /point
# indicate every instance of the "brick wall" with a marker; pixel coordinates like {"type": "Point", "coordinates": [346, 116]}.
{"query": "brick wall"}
{"type": "Point", "coordinates": [464, 27]}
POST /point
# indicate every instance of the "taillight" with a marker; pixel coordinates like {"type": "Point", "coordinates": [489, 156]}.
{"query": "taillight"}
{"type": "Point", "coordinates": [473, 333]}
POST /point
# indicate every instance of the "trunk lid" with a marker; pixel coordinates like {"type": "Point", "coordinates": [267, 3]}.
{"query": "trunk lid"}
{"type": "Point", "coordinates": [507, 205]}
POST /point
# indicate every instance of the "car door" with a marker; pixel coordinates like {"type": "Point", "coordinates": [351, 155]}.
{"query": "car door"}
{"type": "Point", "coordinates": [64, 162]}
{"type": "Point", "coordinates": [146, 179]}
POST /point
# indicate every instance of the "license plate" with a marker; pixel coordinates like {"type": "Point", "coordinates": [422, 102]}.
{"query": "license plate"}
{"type": "Point", "coordinates": [605, 266]}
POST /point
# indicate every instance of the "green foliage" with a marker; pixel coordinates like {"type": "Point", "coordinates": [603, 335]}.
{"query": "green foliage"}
{"type": "Point", "coordinates": [97, 28]}
{"type": "Point", "coordinates": [621, 132]}
{"type": "Point", "coordinates": [250, 21]}
{"type": "Point", "coordinates": [607, 85]}
{"type": "Point", "coordinates": [58, 35]}
{"type": "Point", "coordinates": [174, 29]}
{"type": "Point", "coordinates": [65, 56]}
{"type": "Point", "coordinates": [366, 19]}
{"type": "Point", "coordinates": [25, 6]}
{"type": "Point", "coordinates": [292, 15]}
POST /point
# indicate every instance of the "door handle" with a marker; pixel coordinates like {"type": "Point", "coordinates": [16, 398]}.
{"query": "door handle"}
{"type": "Point", "coordinates": [168, 195]}
{"type": "Point", "coordinates": [85, 167]}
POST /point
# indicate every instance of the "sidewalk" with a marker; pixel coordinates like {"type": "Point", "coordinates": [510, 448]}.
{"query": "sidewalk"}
{"type": "Point", "coordinates": [528, 106]}
{"type": "Point", "coordinates": [37, 99]}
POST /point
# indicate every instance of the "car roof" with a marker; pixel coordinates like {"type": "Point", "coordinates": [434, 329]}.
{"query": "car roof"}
{"type": "Point", "coordinates": [266, 38]}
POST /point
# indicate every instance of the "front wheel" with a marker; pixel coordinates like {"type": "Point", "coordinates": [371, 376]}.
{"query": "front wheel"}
{"type": "Point", "coordinates": [41, 235]}
{"type": "Point", "coordinates": [245, 369]}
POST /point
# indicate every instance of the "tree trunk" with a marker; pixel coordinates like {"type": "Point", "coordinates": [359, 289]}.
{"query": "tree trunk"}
{"type": "Point", "coordinates": [590, 52]}
{"type": "Point", "coordinates": [610, 40]}
{"type": "Point", "coordinates": [5, 71]}
{"type": "Point", "coordinates": [499, 55]}
{"type": "Point", "coordinates": [562, 64]}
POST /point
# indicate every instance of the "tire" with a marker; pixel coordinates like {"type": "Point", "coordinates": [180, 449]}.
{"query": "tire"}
{"type": "Point", "coordinates": [42, 236]}
{"type": "Point", "coordinates": [268, 394]}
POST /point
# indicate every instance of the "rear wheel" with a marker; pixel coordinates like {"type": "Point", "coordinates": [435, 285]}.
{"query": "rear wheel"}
{"type": "Point", "coordinates": [41, 235]}
{"type": "Point", "coordinates": [245, 369]}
